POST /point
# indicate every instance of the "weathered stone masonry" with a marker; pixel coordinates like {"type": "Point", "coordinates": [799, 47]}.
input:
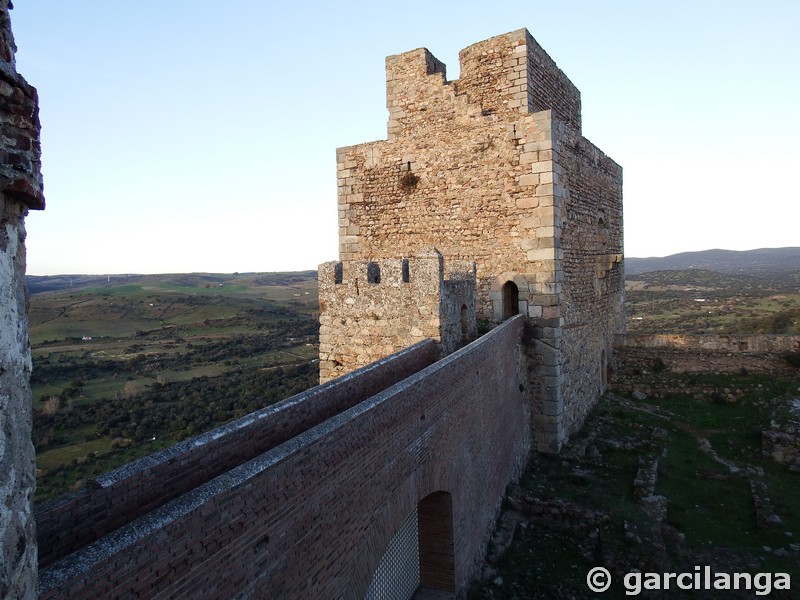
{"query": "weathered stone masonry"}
{"type": "Point", "coordinates": [491, 168]}
{"type": "Point", "coordinates": [382, 306]}
{"type": "Point", "coordinates": [20, 191]}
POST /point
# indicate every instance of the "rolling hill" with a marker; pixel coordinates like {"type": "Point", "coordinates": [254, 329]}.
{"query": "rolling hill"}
{"type": "Point", "coordinates": [751, 262]}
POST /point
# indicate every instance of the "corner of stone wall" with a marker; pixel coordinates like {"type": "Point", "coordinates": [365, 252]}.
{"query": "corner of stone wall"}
{"type": "Point", "coordinates": [20, 191]}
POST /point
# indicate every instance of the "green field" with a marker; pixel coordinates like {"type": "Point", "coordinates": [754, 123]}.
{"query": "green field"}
{"type": "Point", "coordinates": [705, 449]}
{"type": "Point", "coordinates": [715, 303]}
{"type": "Point", "coordinates": [130, 365]}
{"type": "Point", "coordinates": [126, 365]}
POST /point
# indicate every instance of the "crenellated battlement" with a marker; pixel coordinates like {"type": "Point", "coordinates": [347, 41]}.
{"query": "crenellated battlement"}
{"type": "Point", "coordinates": [501, 77]}
{"type": "Point", "coordinates": [370, 309]}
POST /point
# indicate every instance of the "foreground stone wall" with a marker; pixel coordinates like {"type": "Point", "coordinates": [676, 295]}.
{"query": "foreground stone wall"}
{"type": "Point", "coordinates": [20, 190]}
{"type": "Point", "coordinates": [311, 517]}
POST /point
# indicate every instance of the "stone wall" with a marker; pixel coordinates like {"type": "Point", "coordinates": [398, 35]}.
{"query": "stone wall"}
{"type": "Point", "coordinates": [685, 353]}
{"type": "Point", "coordinates": [311, 517]}
{"type": "Point", "coordinates": [589, 223]}
{"type": "Point", "coordinates": [20, 190]}
{"type": "Point", "coordinates": [370, 309]}
{"type": "Point", "coordinates": [492, 168]}
{"type": "Point", "coordinates": [781, 442]}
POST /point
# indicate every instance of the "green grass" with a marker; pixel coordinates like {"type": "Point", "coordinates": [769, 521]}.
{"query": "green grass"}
{"type": "Point", "coordinates": [156, 331]}
{"type": "Point", "coordinates": [709, 503]}
{"type": "Point", "coordinates": [78, 451]}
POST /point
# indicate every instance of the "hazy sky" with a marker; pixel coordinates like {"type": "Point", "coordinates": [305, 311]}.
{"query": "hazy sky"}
{"type": "Point", "coordinates": [190, 135]}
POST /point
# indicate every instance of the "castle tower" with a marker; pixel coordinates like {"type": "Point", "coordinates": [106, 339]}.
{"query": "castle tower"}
{"type": "Point", "coordinates": [492, 168]}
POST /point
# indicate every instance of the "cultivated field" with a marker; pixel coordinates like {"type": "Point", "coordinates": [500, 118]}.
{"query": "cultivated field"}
{"type": "Point", "coordinates": [130, 365]}
{"type": "Point", "coordinates": [697, 301]}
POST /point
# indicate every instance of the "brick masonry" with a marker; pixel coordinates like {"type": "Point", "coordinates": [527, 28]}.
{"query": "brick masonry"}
{"type": "Point", "coordinates": [493, 169]}
{"type": "Point", "coordinates": [20, 191]}
{"type": "Point", "coordinates": [310, 518]}
{"type": "Point", "coordinates": [131, 491]}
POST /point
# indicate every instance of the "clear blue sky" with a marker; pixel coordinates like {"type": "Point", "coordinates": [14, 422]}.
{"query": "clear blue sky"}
{"type": "Point", "coordinates": [189, 135]}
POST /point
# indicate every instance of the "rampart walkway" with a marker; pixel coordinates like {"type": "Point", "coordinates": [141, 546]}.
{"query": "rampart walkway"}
{"type": "Point", "coordinates": [302, 499]}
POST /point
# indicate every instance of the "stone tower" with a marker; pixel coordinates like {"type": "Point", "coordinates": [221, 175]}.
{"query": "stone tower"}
{"type": "Point", "coordinates": [493, 169]}
{"type": "Point", "coordinates": [20, 191]}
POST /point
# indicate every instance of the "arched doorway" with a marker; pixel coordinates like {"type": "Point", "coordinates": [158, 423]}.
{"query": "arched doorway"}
{"type": "Point", "coordinates": [420, 554]}
{"type": "Point", "coordinates": [510, 300]}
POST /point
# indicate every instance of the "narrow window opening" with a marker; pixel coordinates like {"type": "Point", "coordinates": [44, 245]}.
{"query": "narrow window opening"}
{"type": "Point", "coordinates": [406, 272]}
{"type": "Point", "coordinates": [373, 273]}
{"type": "Point", "coordinates": [338, 274]}
{"type": "Point", "coordinates": [603, 371]}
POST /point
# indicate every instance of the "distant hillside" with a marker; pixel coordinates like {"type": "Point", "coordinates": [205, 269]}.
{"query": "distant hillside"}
{"type": "Point", "coordinates": [753, 262]}
{"type": "Point", "coordinates": [50, 283]}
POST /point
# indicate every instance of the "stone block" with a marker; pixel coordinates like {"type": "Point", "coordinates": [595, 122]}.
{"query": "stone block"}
{"type": "Point", "coordinates": [542, 166]}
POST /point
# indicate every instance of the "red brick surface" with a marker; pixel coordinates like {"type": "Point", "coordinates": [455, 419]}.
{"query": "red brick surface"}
{"type": "Point", "coordinates": [311, 517]}
{"type": "Point", "coordinates": [119, 497]}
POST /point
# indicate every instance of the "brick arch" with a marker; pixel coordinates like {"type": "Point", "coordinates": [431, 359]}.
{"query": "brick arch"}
{"type": "Point", "coordinates": [420, 553]}
{"type": "Point", "coordinates": [437, 543]}
{"type": "Point", "coordinates": [428, 489]}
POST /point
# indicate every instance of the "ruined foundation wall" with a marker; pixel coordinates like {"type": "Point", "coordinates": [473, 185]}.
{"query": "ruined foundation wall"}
{"type": "Point", "coordinates": [20, 190]}
{"type": "Point", "coordinates": [685, 353]}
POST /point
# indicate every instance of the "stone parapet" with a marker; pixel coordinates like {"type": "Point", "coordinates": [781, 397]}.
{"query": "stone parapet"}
{"type": "Point", "coordinates": [370, 309]}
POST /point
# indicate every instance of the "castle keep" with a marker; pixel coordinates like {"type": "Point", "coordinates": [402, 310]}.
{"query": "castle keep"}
{"type": "Point", "coordinates": [485, 181]}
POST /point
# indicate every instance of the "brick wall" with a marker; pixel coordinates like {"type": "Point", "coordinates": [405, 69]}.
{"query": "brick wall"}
{"type": "Point", "coordinates": [122, 495]}
{"type": "Point", "coordinates": [311, 517]}
{"type": "Point", "coordinates": [20, 191]}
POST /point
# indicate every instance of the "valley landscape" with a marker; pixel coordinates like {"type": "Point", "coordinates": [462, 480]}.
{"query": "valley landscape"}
{"type": "Point", "coordinates": [126, 365]}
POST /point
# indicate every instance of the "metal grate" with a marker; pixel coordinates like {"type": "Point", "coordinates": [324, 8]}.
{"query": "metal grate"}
{"type": "Point", "coordinates": [397, 575]}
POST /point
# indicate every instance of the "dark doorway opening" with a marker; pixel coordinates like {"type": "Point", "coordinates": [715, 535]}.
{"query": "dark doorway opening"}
{"type": "Point", "coordinates": [510, 300]}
